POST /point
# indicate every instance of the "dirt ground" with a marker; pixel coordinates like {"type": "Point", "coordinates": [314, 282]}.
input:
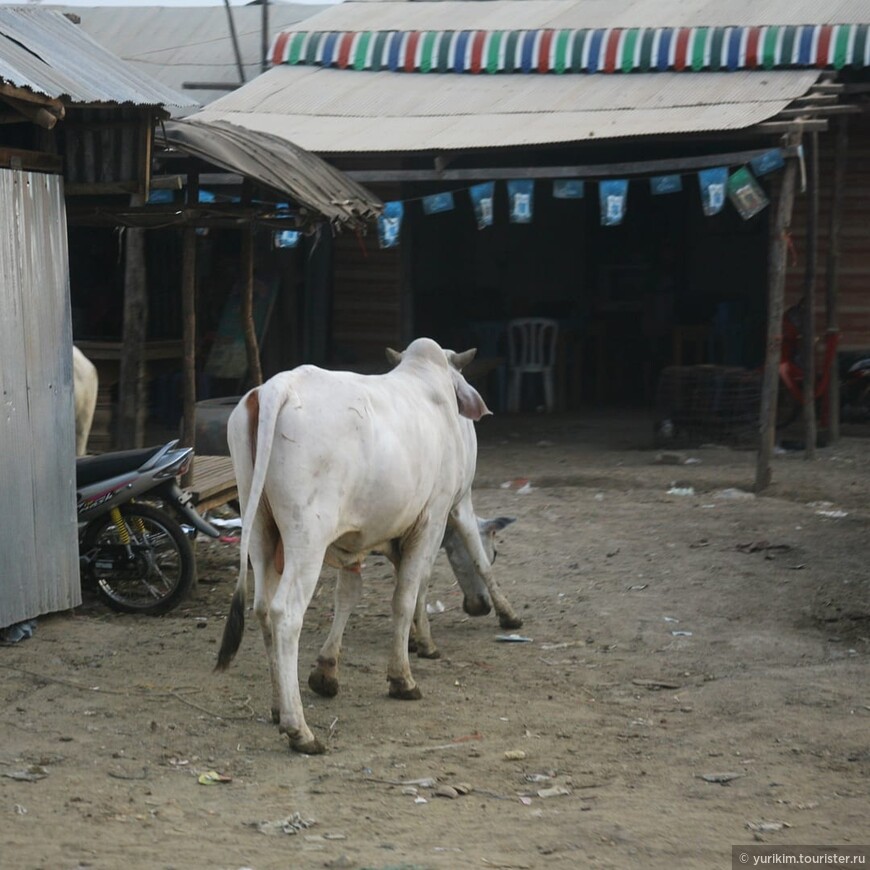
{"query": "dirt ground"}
{"type": "Point", "coordinates": [673, 637]}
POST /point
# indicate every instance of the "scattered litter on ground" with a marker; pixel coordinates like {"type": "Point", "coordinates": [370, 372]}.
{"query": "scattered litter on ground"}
{"type": "Point", "coordinates": [681, 633]}
{"type": "Point", "coordinates": [212, 777]}
{"type": "Point", "coordinates": [762, 827]}
{"type": "Point", "coordinates": [760, 546]}
{"type": "Point", "coordinates": [232, 523]}
{"type": "Point", "coordinates": [720, 778]}
{"type": "Point", "coordinates": [681, 490]}
{"type": "Point", "coordinates": [670, 619]}
{"type": "Point", "coordinates": [657, 684]}
{"type": "Point", "coordinates": [30, 774]}
{"type": "Point", "coordinates": [555, 791]}
{"type": "Point", "coordinates": [437, 607]}
{"type": "Point", "coordinates": [514, 755]}
{"type": "Point", "coordinates": [513, 638]}
{"type": "Point", "coordinates": [834, 515]}
{"type": "Point", "coordinates": [294, 824]}
{"type": "Point", "coordinates": [520, 484]}
{"type": "Point", "coordinates": [733, 493]}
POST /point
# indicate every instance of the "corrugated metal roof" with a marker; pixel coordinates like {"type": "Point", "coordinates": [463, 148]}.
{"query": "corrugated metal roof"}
{"type": "Point", "coordinates": [178, 45]}
{"type": "Point", "coordinates": [338, 111]}
{"type": "Point", "coordinates": [527, 14]}
{"type": "Point", "coordinates": [278, 163]}
{"type": "Point", "coordinates": [43, 51]}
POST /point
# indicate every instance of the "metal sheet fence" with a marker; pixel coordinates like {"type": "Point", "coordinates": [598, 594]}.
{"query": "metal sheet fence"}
{"type": "Point", "coordinates": [39, 556]}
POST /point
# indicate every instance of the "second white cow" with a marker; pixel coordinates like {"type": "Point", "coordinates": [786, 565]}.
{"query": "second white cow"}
{"type": "Point", "coordinates": [331, 465]}
{"type": "Point", "coordinates": [85, 386]}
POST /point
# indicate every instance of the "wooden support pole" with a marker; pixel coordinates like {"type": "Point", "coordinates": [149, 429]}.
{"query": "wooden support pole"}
{"type": "Point", "coordinates": [255, 371]}
{"type": "Point", "coordinates": [775, 289]}
{"type": "Point", "coordinates": [188, 325]}
{"type": "Point", "coordinates": [809, 324]}
{"type": "Point", "coordinates": [132, 395]}
{"type": "Point", "coordinates": [832, 276]}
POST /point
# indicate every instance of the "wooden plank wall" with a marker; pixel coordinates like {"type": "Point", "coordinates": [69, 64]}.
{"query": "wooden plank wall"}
{"type": "Point", "coordinates": [367, 302]}
{"type": "Point", "coordinates": [854, 283]}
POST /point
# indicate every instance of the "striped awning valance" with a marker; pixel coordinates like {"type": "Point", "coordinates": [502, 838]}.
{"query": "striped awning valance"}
{"type": "Point", "coordinates": [599, 50]}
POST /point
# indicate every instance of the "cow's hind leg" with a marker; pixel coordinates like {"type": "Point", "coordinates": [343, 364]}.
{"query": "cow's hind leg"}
{"type": "Point", "coordinates": [418, 553]}
{"type": "Point", "coordinates": [266, 579]}
{"type": "Point", "coordinates": [421, 631]}
{"type": "Point", "coordinates": [323, 679]}
{"type": "Point", "coordinates": [287, 609]}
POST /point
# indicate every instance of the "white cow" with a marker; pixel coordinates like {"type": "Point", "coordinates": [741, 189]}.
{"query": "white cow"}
{"type": "Point", "coordinates": [331, 465]}
{"type": "Point", "coordinates": [85, 385]}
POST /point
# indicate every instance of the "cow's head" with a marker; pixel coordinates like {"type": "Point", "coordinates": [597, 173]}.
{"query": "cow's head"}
{"type": "Point", "coordinates": [470, 402]}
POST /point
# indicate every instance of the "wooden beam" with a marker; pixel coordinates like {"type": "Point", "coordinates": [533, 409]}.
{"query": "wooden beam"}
{"type": "Point", "coordinates": [188, 321]}
{"type": "Point", "coordinates": [775, 290]}
{"type": "Point", "coordinates": [210, 86]}
{"type": "Point", "coordinates": [794, 127]}
{"type": "Point", "coordinates": [31, 161]}
{"type": "Point", "coordinates": [591, 170]}
{"type": "Point", "coordinates": [832, 271]}
{"type": "Point", "coordinates": [814, 112]}
{"type": "Point", "coordinates": [132, 398]}
{"type": "Point", "coordinates": [809, 324]}
{"type": "Point", "coordinates": [23, 95]}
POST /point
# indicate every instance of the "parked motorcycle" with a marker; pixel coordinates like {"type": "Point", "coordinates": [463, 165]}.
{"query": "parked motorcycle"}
{"type": "Point", "coordinates": [855, 392]}
{"type": "Point", "coordinates": [132, 548]}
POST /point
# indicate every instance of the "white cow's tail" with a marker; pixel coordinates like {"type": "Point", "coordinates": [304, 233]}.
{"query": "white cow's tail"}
{"type": "Point", "coordinates": [263, 407]}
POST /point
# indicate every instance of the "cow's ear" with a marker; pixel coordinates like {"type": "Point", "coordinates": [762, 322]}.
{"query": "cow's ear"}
{"type": "Point", "coordinates": [496, 525]}
{"type": "Point", "coordinates": [470, 402]}
{"type": "Point", "coordinates": [393, 357]}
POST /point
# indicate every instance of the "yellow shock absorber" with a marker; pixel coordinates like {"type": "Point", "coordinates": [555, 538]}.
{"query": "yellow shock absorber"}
{"type": "Point", "coordinates": [120, 525]}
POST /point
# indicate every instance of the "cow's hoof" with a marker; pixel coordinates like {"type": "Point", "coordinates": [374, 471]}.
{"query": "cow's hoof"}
{"type": "Point", "coordinates": [476, 606]}
{"type": "Point", "coordinates": [323, 684]}
{"type": "Point", "coordinates": [509, 621]}
{"type": "Point", "coordinates": [307, 746]}
{"type": "Point", "coordinates": [400, 691]}
{"type": "Point", "coordinates": [428, 653]}
{"type": "Point", "coordinates": [276, 716]}
{"type": "Point", "coordinates": [310, 747]}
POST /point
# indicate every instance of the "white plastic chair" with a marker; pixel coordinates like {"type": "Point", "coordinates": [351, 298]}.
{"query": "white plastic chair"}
{"type": "Point", "coordinates": [531, 350]}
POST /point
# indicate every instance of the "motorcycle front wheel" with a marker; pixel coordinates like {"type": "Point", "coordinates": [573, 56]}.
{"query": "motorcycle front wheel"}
{"type": "Point", "coordinates": [145, 565]}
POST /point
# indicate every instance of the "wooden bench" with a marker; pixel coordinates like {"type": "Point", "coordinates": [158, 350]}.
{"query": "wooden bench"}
{"type": "Point", "coordinates": [214, 482]}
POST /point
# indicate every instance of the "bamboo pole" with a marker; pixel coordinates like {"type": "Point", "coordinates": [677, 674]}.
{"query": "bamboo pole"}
{"type": "Point", "coordinates": [775, 288]}
{"type": "Point", "coordinates": [832, 276]}
{"type": "Point", "coordinates": [809, 314]}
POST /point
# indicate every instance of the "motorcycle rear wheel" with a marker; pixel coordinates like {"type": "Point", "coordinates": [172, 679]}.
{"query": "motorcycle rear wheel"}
{"type": "Point", "coordinates": [152, 574]}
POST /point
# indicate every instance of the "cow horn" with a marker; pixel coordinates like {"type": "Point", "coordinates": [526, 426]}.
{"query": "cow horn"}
{"type": "Point", "coordinates": [393, 357]}
{"type": "Point", "coordinates": [461, 360]}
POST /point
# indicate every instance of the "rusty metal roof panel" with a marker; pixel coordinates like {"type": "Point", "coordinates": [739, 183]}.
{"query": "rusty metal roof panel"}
{"type": "Point", "coordinates": [278, 163]}
{"type": "Point", "coordinates": [340, 111]}
{"type": "Point", "coordinates": [528, 14]}
{"type": "Point", "coordinates": [43, 51]}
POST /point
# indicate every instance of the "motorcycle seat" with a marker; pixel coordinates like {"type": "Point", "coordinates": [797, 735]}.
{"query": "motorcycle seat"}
{"type": "Point", "coordinates": [90, 469]}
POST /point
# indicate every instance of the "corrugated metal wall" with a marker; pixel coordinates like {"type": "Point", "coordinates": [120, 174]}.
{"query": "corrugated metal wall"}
{"type": "Point", "coordinates": [854, 283]}
{"type": "Point", "coordinates": [39, 555]}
